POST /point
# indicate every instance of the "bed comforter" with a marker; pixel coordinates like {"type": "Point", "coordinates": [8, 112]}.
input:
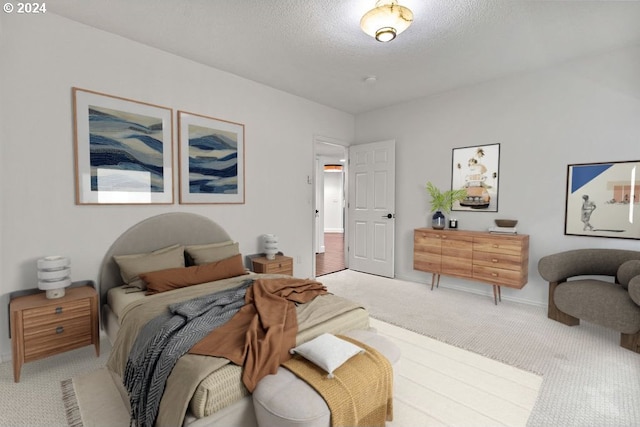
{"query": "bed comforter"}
{"type": "Point", "coordinates": [191, 369]}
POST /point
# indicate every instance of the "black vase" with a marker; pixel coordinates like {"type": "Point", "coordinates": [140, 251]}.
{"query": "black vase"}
{"type": "Point", "coordinates": [438, 221]}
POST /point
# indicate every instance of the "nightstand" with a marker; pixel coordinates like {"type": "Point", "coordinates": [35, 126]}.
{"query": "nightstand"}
{"type": "Point", "coordinates": [42, 327]}
{"type": "Point", "coordinates": [280, 265]}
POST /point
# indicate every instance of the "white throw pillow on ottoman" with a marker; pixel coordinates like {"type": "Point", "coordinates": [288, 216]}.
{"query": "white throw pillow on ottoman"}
{"type": "Point", "coordinates": [284, 400]}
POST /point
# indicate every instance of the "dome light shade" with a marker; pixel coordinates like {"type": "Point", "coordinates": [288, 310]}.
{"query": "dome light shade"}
{"type": "Point", "coordinates": [386, 20]}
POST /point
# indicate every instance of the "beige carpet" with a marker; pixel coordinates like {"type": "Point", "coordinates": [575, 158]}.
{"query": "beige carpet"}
{"type": "Point", "coordinates": [437, 384]}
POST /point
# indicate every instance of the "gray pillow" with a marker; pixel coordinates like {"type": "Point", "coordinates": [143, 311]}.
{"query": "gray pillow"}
{"type": "Point", "coordinates": [212, 252]}
{"type": "Point", "coordinates": [627, 271]}
{"type": "Point", "coordinates": [131, 266]}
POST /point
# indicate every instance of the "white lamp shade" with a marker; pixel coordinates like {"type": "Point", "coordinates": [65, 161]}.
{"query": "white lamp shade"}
{"type": "Point", "coordinates": [386, 21]}
{"type": "Point", "coordinates": [270, 245]}
{"type": "Point", "coordinates": [58, 284]}
{"type": "Point", "coordinates": [54, 274]}
{"type": "Point", "coordinates": [53, 262]}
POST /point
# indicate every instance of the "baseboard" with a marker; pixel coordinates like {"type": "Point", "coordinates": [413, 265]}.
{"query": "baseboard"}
{"type": "Point", "coordinates": [483, 292]}
{"type": "Point", "coordinates": [334, 230]}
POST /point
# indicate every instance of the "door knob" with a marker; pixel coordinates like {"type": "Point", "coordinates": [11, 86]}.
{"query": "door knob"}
{"type": "Point", "coordinates": [389, 216]}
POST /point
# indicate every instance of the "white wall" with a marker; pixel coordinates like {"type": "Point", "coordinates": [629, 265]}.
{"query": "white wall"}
{"type": "Point", "coordinates": [43, 57]}
{"type": "Point", "coordinates": [580, 112]}
{"type": "Point", "coordinates": [333, 202]}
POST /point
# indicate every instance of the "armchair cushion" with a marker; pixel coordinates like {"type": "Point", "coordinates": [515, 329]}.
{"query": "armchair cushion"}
{"type": "Point", "coordinates": [627, 271]}
{"type": "Point", "coordinates": [634, 289]}
{"type": "Point", "coordinates": [604, 303]}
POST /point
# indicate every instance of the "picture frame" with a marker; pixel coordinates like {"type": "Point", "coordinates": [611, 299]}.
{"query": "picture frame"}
{"type": "Point", "coordinates": [603, 200]}
{"type": "Point", "coordinates": [477, 170]}
{"type": "Point", "coordinates": [211, 160]}
{"type": "Point", "coordinates": [123, 150]}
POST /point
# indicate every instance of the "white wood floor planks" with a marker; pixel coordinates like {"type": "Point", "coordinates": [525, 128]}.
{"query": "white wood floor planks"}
{"type": "Point", "coordinates": [441, 385]}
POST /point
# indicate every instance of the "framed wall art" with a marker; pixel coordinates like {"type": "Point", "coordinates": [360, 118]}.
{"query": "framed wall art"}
{"type": "Point", "coordinates": [211, 161]}
{"type": "Point", "coordinates": [476, 170]}
{"type": "Point", "coordinates": [123, 150]}
{"type": "Point", "coordinates": [603, 200]}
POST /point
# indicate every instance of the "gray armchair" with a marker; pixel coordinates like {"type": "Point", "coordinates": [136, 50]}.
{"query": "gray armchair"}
{"type": "Point", "coordinates": [601, 286]}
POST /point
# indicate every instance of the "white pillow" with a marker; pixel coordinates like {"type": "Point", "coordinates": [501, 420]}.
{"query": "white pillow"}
{"type": "Point", "coordinates": [327, 352]}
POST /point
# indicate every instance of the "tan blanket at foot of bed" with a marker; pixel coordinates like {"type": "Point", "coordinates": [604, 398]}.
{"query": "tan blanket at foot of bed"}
{"type": "Point", "coordinates": [361, 391]}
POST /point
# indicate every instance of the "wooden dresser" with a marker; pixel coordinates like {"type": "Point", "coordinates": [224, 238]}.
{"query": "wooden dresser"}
{"type": "Point", "coordinates": [497, 259]}
{"type": "Point", "coordinates": [280, 265]}
{"type": "Point", "coordinates": [42, 327]}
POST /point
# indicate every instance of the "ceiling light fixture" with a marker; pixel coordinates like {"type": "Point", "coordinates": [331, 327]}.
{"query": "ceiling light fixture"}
{"type": "Point", "coordinates": [386, 20]}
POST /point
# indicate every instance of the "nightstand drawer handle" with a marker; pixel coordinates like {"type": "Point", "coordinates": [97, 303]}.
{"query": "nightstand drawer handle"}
{"type": "Point", "coordinates": [59, 330]}
{"type": "Point", "coordinates": [58, 310]}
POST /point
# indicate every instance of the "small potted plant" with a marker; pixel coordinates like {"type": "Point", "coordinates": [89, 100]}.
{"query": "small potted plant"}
{"type": "Point", "coordinates": [441, 201]}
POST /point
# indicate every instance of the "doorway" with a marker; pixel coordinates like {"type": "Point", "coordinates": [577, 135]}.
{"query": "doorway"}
{"type": "Point", "coordinates": [330, 202]}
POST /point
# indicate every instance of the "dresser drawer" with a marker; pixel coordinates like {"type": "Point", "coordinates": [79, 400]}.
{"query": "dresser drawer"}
{"type": "Point", "coordinates": [497, 246]}
{"type": "Point", "coordinates": [498, 260]}
{"type": "Point", "coordinates": [499, 276]}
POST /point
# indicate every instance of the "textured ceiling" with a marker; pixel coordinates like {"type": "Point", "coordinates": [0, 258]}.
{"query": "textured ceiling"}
{"type": "Point", "coordinates": [315, 48]}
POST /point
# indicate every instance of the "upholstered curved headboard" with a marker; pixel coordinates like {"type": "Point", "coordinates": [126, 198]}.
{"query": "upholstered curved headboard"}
{"type": "Point", "coordinates": [154, 233]}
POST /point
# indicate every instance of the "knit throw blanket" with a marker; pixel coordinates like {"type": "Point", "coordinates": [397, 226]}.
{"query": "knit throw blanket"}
{"type": "Point", "coordinates": [361, 391]}
{"type": "Point", "coordinates": [164, 339]}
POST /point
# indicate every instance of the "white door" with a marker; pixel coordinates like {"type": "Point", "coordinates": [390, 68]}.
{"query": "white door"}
{"type": "Point", "coordinates": [371, 207]}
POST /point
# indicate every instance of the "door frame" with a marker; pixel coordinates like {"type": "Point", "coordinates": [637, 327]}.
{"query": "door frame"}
{"type": "Point", "coordinates": [319, 139]}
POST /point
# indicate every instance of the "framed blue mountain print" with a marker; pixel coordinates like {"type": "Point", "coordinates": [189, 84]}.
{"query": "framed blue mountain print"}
{"type": "Point", "coordinates": [123, 150]}
{"type": "Point", "coordinates": [211, 159]}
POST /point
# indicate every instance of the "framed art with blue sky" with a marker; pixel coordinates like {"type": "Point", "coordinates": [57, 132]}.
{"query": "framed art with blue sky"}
{"type": "Point", "coordinates": [603, 200]}
{"type": "Point", "coordinates": [123, 150]}
{"type": "Point", "coordinates": [211, 159]}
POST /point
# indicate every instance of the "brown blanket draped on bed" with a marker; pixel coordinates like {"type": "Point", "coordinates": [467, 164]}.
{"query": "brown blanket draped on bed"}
{"type": "Point", "coordinates": [261, 334]}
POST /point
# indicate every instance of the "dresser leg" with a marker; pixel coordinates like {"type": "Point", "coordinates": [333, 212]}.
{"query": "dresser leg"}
{"type": "Point", "coordinates": [497, 294]}
{"type": "Point", "coordinates": [435, 278]}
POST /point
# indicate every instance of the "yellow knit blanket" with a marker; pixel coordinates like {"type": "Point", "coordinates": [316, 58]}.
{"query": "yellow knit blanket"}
{"type": "Point", "coordinates": [361, 391]}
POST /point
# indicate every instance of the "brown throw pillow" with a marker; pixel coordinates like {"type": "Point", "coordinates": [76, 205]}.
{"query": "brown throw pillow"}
{"type": "Point", "coordinates": [174, 278]}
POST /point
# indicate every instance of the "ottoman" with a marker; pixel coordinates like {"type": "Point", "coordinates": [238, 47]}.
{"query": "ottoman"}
{"type": "Point", "coordinates": [284, 400]}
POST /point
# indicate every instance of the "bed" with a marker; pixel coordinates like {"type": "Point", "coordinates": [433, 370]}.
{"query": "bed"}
{"type": "Point", "coordinates": [219, 397]}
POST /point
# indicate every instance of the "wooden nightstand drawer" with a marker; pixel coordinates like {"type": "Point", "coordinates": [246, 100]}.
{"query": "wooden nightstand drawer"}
{"type": "Point", "coordinates": [58, 337]}
{"type": "Point", "coordinates": [36, 317]}
{"type": "Point", "coordinates": [280, 265]}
